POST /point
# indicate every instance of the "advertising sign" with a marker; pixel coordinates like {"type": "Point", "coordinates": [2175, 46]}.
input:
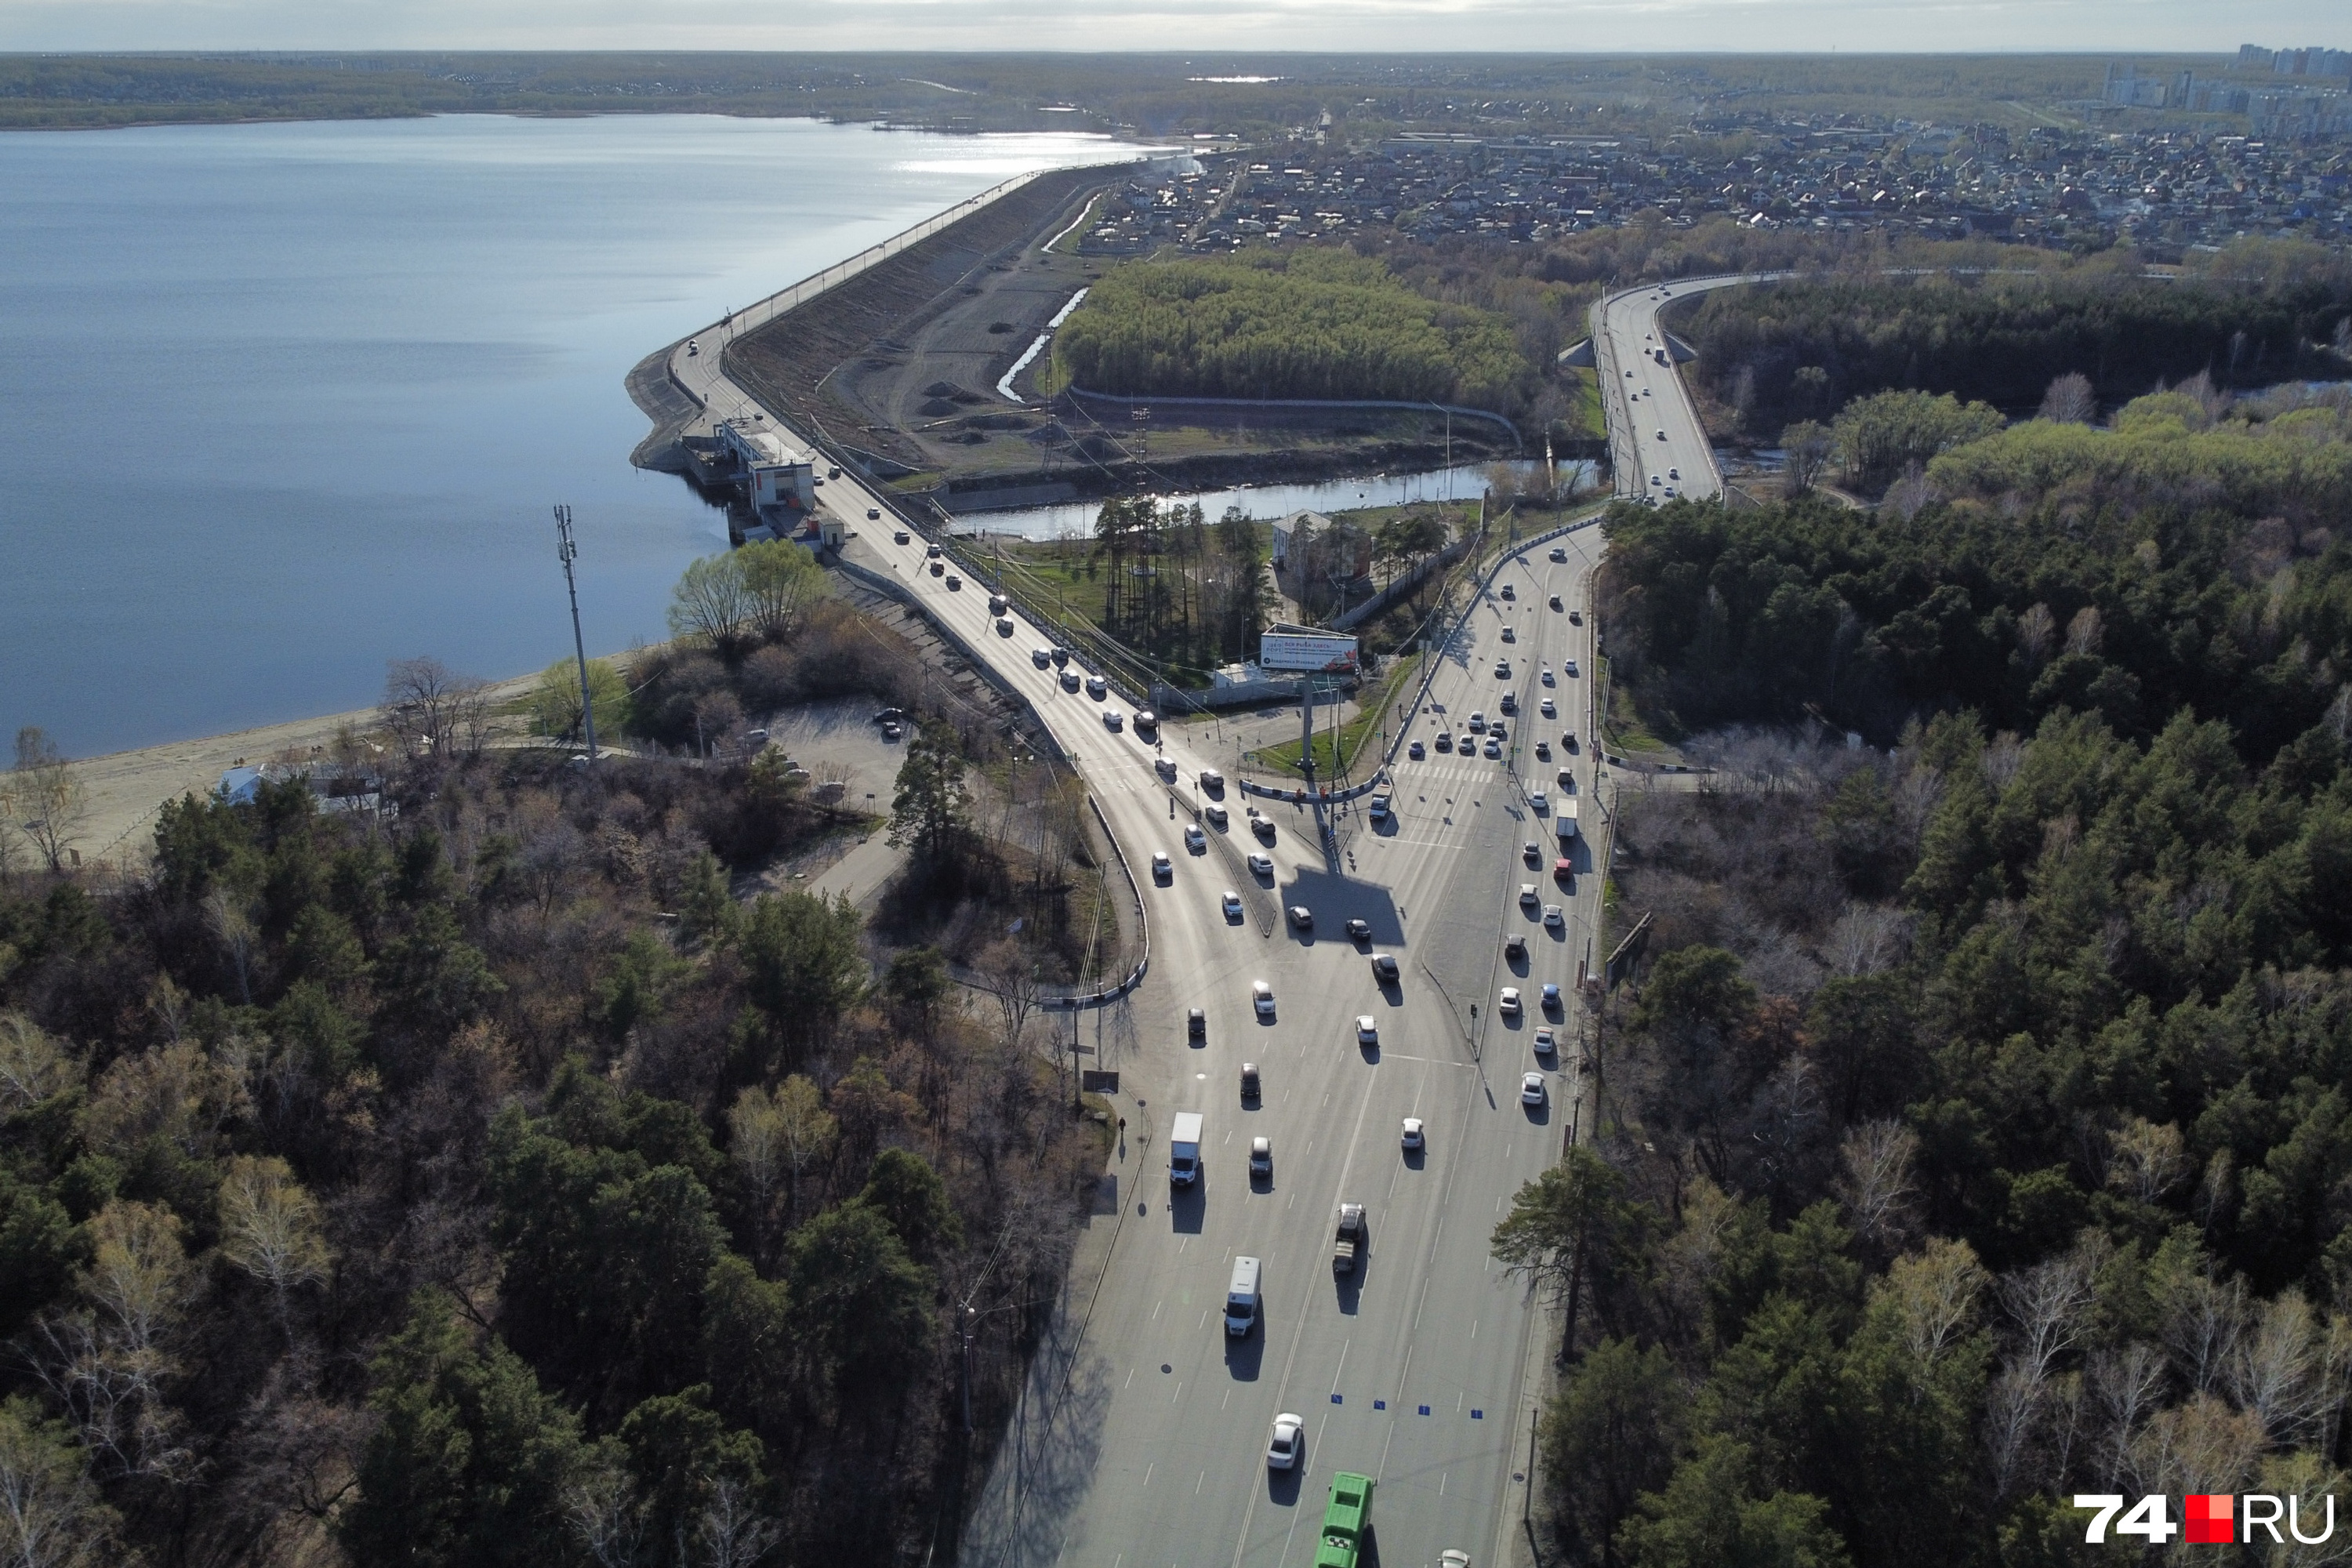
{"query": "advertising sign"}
{"type": "Point", "coordinates": [1295, 648]}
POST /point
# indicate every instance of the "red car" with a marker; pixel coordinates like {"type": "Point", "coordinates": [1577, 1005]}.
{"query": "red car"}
{"type": "Point", "coordinates": [1561, 870]}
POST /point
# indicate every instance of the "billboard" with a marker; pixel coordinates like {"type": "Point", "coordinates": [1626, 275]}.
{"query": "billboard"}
{"type": "Point", "coordinates": [1294, 647]}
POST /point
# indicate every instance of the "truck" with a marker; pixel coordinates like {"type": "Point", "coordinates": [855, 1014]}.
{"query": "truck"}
{"type": "Point", "coordinates": [1563, 821]}
{"type": "Point", "coordinates": [1241, 1298]}
{"type": "Point", "coordinates": [1349, 1240]}
{"type": "Point", "coordinates": [1347, 1521]}
{"type": "Point", "coordinates": [1184, 1149]}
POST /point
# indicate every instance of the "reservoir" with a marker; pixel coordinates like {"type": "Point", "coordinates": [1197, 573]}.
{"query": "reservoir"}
{"type": "Point", "coordinates": [287, 401]}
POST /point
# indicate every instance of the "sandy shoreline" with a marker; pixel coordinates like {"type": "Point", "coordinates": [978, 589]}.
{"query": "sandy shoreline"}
{"type": "Point", "coordinates": [128, 789]}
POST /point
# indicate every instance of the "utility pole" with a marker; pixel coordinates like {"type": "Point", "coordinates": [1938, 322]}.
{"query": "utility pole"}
{"type": "Point", "coordinates": [567, 551]}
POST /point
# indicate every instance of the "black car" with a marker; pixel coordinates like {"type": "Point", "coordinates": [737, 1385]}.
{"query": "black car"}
{"type": "Point", "coordinates": [891, 716]}
{"type": "Point", "coordinates": [1361, 931]}
{"type": "Point", "coordinates": [1196, 1025]}
{"type": "Point", "coordinates": [1384, 969]}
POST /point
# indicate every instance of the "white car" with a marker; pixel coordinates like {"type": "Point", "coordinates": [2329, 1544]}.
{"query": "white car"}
{"type": "Point", "coordinates": [1413, 1140]}
{"type": "Point", "coordinates": [1262, 999]}
{"type": "Point", "coordinates": [1368, 1031]}
{"type": "Point", "coordinates": [1216, 814]}
{"type": "Point", "coordinates": [1553, 921]}
{"type": "Point", "coordinates": [1232, 905]}
{"type": "Point", "coordinates": [1546, 1044]}
{"type": "Point", "coordinates": [1531, 1089]}
{"type": "Point", "coordinates": [1163, 868]}
{"type": "Point", "coordinates": [1674, 473]}
{"type": "Point", "coordinates": [1509, 1004]}
{"type": "Point", "coordinates": [1548, 708]}
{"type": "Point", "coordinates": [1288, 1443]}
{"type": "Point", "coordinates": [1194, 839]}
{"type": "Point", "coordinates": [1113, 719]}
{"type": "Point", "coordinates": [1262, 865]}
{"type": "Point", "coordinates": [1655, 480]}
{"type": "Point", "coordinates": [1568, 665]}
{"type": "Point", "coordinates": [1540, 801]}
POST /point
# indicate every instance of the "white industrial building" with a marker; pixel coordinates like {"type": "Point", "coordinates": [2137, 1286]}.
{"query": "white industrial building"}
{"type": "Point", "coordinates": [776, 475]}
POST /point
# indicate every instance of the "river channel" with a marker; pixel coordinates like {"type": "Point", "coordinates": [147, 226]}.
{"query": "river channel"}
{"type": "Point", "coordinates": [1463, 482]}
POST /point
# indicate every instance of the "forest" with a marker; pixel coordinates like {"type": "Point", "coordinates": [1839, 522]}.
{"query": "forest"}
{"type": "Point", "coordinates": [1773, 354]}
{"type": "Point", "coordinates": [1974, 1132]}
{"type": "Point", "coordinates": [506, 1175]}
{"type": "Point", "coordinates": [1307, 323]}
{"type": "Point", "coordinates": [2139, 570]}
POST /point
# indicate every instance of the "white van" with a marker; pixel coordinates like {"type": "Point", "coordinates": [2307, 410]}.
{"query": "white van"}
{"type": "Point", "coordinates": [1241, 1298]}
{"type": "Point", "coordinates": [1184, 1149]}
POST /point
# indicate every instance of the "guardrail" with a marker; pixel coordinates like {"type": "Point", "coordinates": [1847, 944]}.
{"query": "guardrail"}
{"type": "Point", "coordinates": [1134, 977]}
{"type": "Point", "coordinates": [1404, 730]}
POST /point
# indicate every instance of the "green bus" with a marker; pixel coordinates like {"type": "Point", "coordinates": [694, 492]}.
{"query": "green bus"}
{"type": "Point", "coordinates": [1346, 1522]}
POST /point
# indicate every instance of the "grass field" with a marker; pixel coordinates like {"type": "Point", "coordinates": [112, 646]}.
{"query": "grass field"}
{"type": "Point", "coordinates": [1350, 749]}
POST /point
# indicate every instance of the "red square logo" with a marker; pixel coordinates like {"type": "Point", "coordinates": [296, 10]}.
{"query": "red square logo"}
{"type": "Point", "coordinates": [2207, 1516]}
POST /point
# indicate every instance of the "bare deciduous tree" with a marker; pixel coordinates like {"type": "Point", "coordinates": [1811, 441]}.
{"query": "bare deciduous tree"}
{"type": "Point", "coordinates": [730, 1531]}
{"type": "Point", "coordinates": [1935, 1293]}
{"type": "Point", "coordinates": [2202, 1319]}
{"type": "Point", "coordinates": [2124, 1385]}
{"type": "Point", "coordinates": [2145, 1160]}
{"type": "Point", "coordinates": [430, 708]}
{"type": "Point", "coordinates": [1866, 939]}
{"type": "Point", "coordinates": [2070, 400]}
{"type": "Point", "coordinates": [270, 1228]}
{"type": "Point", "coordinates": [2036, 630]}
{"type": "Point", "coordinates": [45, 798]}
{"type": "Point", "coordinates": [50, 1514]}
{"type": "Point", "coordinates": [2050, 1302]}
{"type": "Point", "coordinates": [606, 1514]}
{"type": "Point", "coordinates": [2012, 1410]}
{"type": "Point", "coordinates": [1875, 1184]}
{"type": "Point", "coordinates": [34, 1064]}
{"type": "Point", "coordinates": [107, 1360]}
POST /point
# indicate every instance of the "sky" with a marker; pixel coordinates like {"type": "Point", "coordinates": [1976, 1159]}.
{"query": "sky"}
{"type": "Point", "coordinates": [1710, 25]}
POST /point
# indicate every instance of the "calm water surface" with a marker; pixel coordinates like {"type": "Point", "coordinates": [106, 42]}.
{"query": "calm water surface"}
{"type": "Point", "coordinates": [282, 402]}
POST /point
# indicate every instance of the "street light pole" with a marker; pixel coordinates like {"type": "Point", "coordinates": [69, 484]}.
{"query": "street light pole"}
{"type": "Point", "coordinates": [568, 552]}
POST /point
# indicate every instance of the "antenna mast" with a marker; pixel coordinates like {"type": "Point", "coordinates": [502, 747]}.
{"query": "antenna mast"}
{"type": "Point", "coordinates": [567, 552]}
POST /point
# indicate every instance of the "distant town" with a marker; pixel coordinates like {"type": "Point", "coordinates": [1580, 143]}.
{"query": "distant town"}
{"type": "Point", "coordinates": [2111, 181]}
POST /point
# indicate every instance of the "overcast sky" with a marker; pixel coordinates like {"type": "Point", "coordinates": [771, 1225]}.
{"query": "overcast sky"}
{"type": "Point", "coordinates": [1354, 24]}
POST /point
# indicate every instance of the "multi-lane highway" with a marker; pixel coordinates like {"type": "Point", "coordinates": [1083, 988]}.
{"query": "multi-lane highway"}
{"type": "Point", "coordinates": [1141, 1438]}
{"type": "Point", "coordinates": [1657, 444]}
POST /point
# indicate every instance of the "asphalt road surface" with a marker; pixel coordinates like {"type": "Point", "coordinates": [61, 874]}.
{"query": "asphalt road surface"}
{"type": "Point", "coordinates": [1656, 441]}
{"type": "Point", "coordinates": [1141, 1436]}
